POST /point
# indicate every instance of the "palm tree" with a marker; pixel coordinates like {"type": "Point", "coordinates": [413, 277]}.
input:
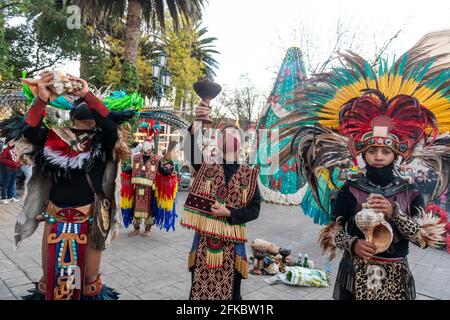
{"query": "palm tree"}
{"type": "Point", "coordinates": [203, 50]}
{"type": "Point", "coordinates": [149, 14]}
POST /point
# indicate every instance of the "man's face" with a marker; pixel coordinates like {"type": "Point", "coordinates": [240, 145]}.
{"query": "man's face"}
{"type": "Point", "coordinates": [229, 144]}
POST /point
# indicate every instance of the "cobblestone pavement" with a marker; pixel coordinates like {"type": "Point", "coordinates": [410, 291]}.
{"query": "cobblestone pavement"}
{"type": "Point", "coordinates": [156, 267]}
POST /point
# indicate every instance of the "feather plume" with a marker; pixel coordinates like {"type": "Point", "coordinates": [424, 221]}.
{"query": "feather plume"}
{"type": "Point", "coordinates": [436, 157]}
{"type": "Point", "coordinates": [315, 148]}
{"type": "Point", "coordinates": [327, 236]}
{"type": "Point", "coordinates": [431, 231]}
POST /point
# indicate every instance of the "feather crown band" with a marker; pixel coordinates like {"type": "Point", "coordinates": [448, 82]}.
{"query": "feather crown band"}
{"type": "Point", "coordinates": [399, 123]}
{"type": "Point", "coordinates": [413, 92]}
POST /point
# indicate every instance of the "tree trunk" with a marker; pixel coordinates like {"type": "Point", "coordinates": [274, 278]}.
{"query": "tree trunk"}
{"type": "Point", "coordinates": [3, 48]}
{"type": "Point", "coordinates": [84, 63]}
{"type": "Point", "coordinates": [133, 31]}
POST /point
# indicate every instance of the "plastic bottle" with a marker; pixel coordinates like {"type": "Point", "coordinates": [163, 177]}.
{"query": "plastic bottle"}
{"type": "Point", "coordinates": [328, 271]}
{"type": "Point", "coordinates": [299, 260]}
{"type": "Point", "coordinates": [305, 261]}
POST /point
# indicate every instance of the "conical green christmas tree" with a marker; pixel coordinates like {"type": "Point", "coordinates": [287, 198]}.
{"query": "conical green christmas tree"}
{"type": "Point", "coordinates": [280, 184]}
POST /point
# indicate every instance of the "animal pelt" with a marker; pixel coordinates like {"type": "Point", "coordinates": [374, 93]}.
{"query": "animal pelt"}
{"type": "Point", "coordinates": [25, 151]}
{"type": "Point", "coordinates": [34, 204]}
{"type": "Point", "coordinates": [111, 187]}
{"type": "Point", "coordinates": [38, 195]}
{"type": "Point", "coordinates": [431, 231]}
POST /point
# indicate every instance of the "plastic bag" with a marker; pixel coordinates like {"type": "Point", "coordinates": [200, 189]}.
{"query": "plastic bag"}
{"type": "Point", "coordinates": [303, 277]}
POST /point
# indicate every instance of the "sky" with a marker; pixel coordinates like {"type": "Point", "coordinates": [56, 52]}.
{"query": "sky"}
{"type": "Point", "coordinates": [253, 35]}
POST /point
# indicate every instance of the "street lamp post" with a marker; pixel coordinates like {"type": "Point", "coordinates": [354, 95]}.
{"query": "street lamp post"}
{"type": "Point", "coordinates": [161, 80]}
{"type": "Point", "coordinates": [160, 75]}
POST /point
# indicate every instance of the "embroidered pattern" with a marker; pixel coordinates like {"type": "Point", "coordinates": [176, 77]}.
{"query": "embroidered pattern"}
{"type": "Point", "coordinates": [216, 283]}
{"type": "Point", "coordinates": [209, 187]}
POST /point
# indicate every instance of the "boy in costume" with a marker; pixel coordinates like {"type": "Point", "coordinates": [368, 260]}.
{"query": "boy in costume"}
{"type": "Point", "coordinates": [399, 112]}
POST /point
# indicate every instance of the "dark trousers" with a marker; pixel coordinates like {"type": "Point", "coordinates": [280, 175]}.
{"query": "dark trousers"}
{"type": "Point", "coordinates": [8, 183]}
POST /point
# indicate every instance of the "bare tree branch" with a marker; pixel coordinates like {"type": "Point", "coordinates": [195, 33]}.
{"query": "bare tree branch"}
{"type": "Point", "coordinates": [386, 44]}
{"type": "Point", "coordinates": [348, 36]}
{"type": "Point", "coordinates": [50, 64]}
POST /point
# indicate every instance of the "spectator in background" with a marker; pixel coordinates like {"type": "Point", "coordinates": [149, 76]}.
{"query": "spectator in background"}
{"type": "Point", "coordinates": [2, 144]}
{"type": "Point", "coordinates": [405, 173]}
{"type": "Point", "coordinates": [424, 185]}
{"type": "Point", "coordinates": [10, 167]}
{"type": "Point", "coordinates": [433, 180]}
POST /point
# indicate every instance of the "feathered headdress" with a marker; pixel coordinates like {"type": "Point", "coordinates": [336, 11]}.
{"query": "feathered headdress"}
{"type": "Point", "coordinates": [404, 106]}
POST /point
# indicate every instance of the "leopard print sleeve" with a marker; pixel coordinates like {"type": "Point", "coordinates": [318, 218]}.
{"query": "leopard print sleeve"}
{"type": "Point", "coordinates": [408, 226]}
{"type": "Point", "coordinates": [344, 241]}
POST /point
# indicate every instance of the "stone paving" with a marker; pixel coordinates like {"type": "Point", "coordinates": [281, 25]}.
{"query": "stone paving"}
{"type": "Point", "coordinates": [156, 267]}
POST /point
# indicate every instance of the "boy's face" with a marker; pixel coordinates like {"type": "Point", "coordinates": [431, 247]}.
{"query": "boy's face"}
{"type": "Point", "coordinates": [379, 157]}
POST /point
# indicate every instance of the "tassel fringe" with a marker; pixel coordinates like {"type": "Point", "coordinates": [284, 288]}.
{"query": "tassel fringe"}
{"type": "Point", "coordinates": [214, 227]}
{"type": "Point", "coordinates": [164, 208]}
{"type": "Point", "coordinates": [241, 266]}
{"type": "Point", "coordinates": [191, 259]}
{"type": "Point", "coordinates": [214, 258]}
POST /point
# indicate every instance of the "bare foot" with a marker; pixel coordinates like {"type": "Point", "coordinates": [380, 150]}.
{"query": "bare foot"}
{"type": "Point", "coordinates": [134, 233]}
{"type": "Point", "coordinates": [146, 233]}
{"type": "Point", "coordinates": [39, 218]}
{"type": "Point", "coordinates": [256, 272]}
